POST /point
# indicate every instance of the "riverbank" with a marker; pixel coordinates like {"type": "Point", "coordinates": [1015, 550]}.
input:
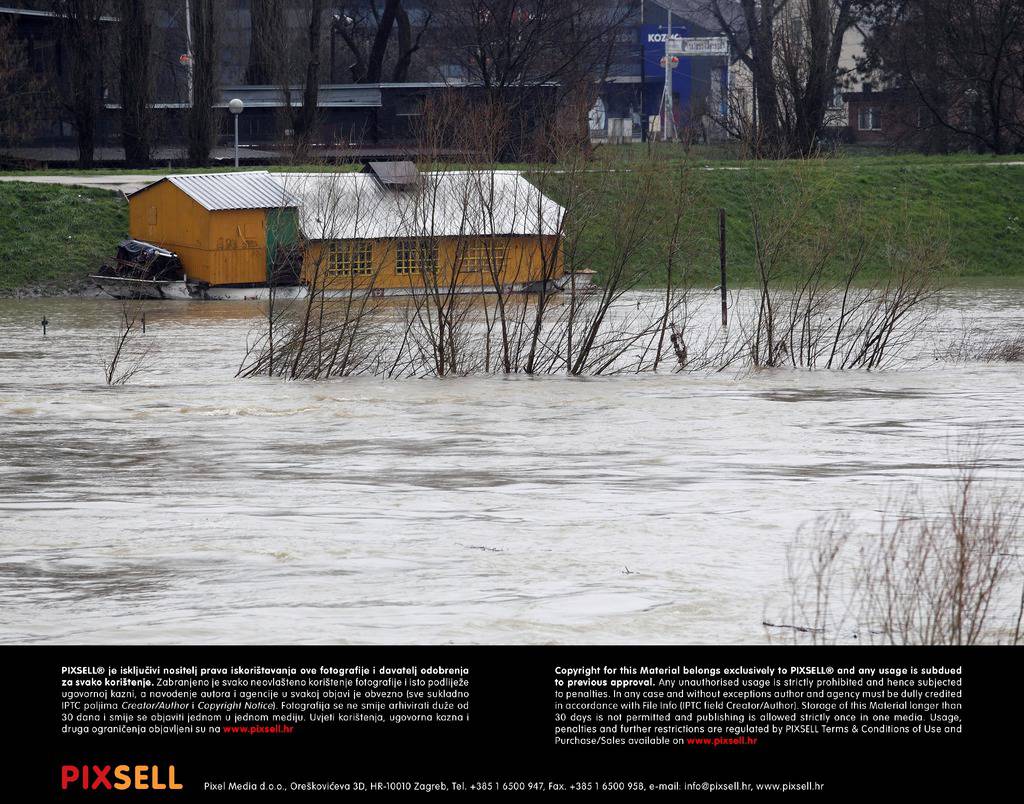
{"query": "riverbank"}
{"type": "Point", "coordinates": [972, 206]}
{"type": "Point", "coordinates": [52, 236]}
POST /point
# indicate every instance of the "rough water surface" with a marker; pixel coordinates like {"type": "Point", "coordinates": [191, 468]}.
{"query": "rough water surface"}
{"type": "Point", "coordinates": [192, 507]}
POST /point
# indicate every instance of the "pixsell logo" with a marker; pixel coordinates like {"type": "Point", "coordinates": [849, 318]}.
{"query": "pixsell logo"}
{"type": "Point", "coordinates": [118, 777]}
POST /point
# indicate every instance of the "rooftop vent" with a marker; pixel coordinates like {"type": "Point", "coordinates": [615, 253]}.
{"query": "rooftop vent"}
{"type": "Point", "coordinates": [394, 175]}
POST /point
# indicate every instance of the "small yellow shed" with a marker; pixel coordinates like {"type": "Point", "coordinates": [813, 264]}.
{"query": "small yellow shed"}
{"type": "Point", "coordinates": [227, 228]}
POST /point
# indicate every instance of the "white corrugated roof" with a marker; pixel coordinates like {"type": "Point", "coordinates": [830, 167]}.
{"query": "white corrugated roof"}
{"type": "Point", "coordinates": [336, 206]}
{"type": "Point", "coordinates": [241, 190]}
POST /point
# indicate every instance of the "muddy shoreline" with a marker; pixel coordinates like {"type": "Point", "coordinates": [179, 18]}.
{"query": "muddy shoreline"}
{"type": "Point", "coordinates": [83, 289]}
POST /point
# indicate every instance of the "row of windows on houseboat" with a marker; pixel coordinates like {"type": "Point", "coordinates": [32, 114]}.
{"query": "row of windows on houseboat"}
{"type": "Point", "coordinates": [356, 257]}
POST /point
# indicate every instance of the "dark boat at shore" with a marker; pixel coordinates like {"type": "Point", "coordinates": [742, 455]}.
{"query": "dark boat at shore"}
{"type": "Point", "coordinates": [139, 270]}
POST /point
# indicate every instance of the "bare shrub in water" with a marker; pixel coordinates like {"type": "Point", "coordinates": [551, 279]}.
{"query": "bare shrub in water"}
{"type": "Point", "coordinates": [129, 350]}
{"type": "Point", "coordinates": [951, 578]}
{"type": "Point", "coordinates": [1010, 350]}
{"type": "Point", "coordinates": [813, 307]}
{"type": "Point", "coordinates": [338, 329]}
{"type": "Point", "coordinates": [967, 347]}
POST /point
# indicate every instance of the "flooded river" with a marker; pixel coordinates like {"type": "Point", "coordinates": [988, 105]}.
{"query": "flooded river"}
{"type": "Point", "coordinates": [192, 507]}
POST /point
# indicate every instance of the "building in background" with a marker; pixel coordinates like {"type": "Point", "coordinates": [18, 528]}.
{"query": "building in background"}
{"type": "Point", "coordinates": [630, 98]}
{"type": "Point", "coordinates": [710, 85]}
{"type": "Point", "coordinates": [37, 56]}
{"type": "Point", "coordinates": [375, 117]}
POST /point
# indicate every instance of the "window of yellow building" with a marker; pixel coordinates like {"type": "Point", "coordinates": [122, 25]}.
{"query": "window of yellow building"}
{"type": "Point", "coordinates": [413, 256]}
{"type": "Point", "coordinates": [484, 256]}
{"type": "Point", "coordinates": [350, 258]}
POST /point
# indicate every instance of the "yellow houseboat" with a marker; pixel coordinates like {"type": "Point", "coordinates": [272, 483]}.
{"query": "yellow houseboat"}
{"type": "Point", "coordinates": [387, 230]}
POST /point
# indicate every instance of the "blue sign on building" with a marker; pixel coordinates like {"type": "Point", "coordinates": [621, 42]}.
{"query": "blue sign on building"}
{"type": "Point", "coordinates": [652, 50]}
{"type": "Point", "coordinates": [695, 80]}
{"type": "Point", "coordinates": [635, 88]}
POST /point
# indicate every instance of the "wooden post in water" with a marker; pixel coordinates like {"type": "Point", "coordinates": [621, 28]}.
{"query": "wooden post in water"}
{"type": "Point", "coordinates": [721, 262]}
{"type": "Point", "coordinates": [45, 324]}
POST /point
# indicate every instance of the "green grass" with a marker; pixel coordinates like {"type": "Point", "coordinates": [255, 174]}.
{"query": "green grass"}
{"type": "Point", "coordinates": [55, 236]}
{"type": "Point", "coordinates": [730, 155]}
{"type": "Point", "coordinates": [974, 207]}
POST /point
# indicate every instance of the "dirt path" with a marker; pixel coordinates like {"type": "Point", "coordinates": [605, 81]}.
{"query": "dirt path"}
{"type": "Point", "coordinates": [113, 181]}
{"type": "Point", "coordinates": [129, 183]}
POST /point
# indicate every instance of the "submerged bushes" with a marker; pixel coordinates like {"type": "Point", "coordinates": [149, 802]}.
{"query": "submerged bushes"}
{"type": "Point", "coordinates": [810, 308]}
{"type": "Point", "coordinates": [922, 577]}
{"type": "Point", "coordinates": [966, 348]}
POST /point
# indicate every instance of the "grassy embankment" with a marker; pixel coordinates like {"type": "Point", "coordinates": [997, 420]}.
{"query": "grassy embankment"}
{"type": "Point", "coordinates": [56, 235]}
{"type": "Point", "coordinates": [973, 204]}
{"type": "Point", "coordinates": [53, 237]}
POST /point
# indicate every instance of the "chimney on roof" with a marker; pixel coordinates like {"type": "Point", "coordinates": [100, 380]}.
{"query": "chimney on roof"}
{"type": "Point", "coordinates": [394, 176]}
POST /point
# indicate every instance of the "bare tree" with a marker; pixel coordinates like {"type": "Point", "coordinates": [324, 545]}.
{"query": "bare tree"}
{"type": "Point", "coordinates": [264, 19]}
{"type": "Point", "coordinates": [492, 269]}
{"type": "Point", "coordinates": [509, 44]}
{"type": "Point", "coordinates": [531, 55]}
{"type": "Point", "coordinates": [386, 21]}
{"type": "Point", "coordinates": [970, 344]}
{"type": "Point", "coordinates": [409, 41]}
{"type": "Point", "coordinates": [130, 349]}
{"type": "Point", "coordinates": [792, 50]}
{"type": "Point", "coordinates": [481, 237]}
{"type": "Point", "coordinates": [81, 23]}
{"type": "Point", "coordinates": [291, 61]}
{"type": "Point", "coordinates": [366, 29]}
{"type": "Point", "coordinates": [814, 306]}
{"type": "Point", "coordinates": [21, 93]}
{"type": "Point", "coordinates": [136, 33]}
{"type": "Point", "coordinates": [201, 116]}
{"type": "Point", "coordinates": [304, 119]}
{"type": "Point", "coordinates": [961, 61]}
{"type": "Point", "coordinates": [339, 328]}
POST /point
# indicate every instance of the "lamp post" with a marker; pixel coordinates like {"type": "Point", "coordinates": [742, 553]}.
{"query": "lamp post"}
{"type": "Point", "coordinates": [236, 106]}
{"type": "Point", "coordinates": [189, 61]}
{"type": "Point", "coordinates": [667, 129]}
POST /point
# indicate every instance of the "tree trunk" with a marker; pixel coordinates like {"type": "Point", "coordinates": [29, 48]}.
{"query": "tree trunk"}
{"type": "Point", "coordinates": [762, 45]}
{"type": "Point", "coordinates": [826, 25]}
{"type": "Point", "coordinates": [83, 35]}
{"type": "Point", "coordinates": [375, 64]}
{"type": "Point", "coordinates": [306, 117]}
{"type": "Point", "coordinates": [201, 115]}
{"type": "Point", "coordinates": [136, 86]}
{"type": "Point", "coordinates": [406, 47]}
{"type": "Point", "coordinates": [792, 53]}
{"type": "Point", "coordinates": [264, 19]}
{"type": "Point", "coordinates": [85, 135]}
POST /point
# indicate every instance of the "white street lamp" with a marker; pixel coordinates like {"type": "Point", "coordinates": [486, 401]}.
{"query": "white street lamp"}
{"type": "Point", "coordinates": [236, 106]}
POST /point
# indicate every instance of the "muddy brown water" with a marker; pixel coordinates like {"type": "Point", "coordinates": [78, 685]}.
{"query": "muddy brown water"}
{"type": "Point", "coordinates": [193, 507]}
